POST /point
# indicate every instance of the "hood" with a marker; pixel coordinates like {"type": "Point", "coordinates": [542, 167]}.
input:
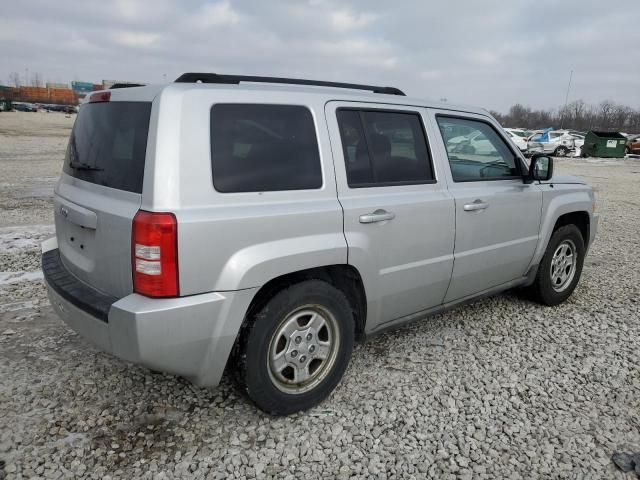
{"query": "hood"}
{"type": "Point", "coordinates": [567, 179]}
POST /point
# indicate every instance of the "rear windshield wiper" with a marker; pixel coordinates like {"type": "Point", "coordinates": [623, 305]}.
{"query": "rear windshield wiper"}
{"type": "Point", "coordinates": [84, 166]}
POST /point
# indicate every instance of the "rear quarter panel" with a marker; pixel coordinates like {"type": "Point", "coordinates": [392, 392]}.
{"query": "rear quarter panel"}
{"type": "Point", "coordinates": [233, 241]}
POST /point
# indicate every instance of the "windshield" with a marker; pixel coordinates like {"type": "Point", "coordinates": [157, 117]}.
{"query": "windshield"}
{"type": "Point", "coordinates": [108, 144]}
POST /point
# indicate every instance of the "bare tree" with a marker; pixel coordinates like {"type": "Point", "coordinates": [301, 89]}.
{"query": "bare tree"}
{"type": "Point", "coordinates": [605, 116]}
{"type": "Point", "coordinates": [576, 115]}
{"type": "Point", "coordinates": [621, 115]}
{"type": "Point", "coordinates": [14, 79]}
{"type": "Point", "coordinates": [36, 80]}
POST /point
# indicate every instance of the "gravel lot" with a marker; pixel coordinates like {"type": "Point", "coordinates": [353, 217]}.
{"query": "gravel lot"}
{"type": "Point", "coordinates": [502, 388]}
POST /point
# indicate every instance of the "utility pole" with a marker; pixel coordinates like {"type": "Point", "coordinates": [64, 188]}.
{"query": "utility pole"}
{"type": "Point", "coordinates": [566, 100]}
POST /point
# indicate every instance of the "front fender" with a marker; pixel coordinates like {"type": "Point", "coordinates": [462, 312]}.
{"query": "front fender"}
{"type": "Point", "coordinates": [559, 200]}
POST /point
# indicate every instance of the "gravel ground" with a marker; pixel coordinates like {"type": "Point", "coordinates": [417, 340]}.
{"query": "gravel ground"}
{"type": "Point", "coordinates": [502, 388]}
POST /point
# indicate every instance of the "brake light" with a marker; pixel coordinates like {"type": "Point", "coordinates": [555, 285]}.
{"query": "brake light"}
{"type": "Point", "coordinates": [154, 254]}
{"type": "Point", "coordinates": [100, 97]}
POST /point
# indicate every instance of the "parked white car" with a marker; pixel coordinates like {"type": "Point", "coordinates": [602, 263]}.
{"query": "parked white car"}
{"type": "Point", "coordinates": [578, 142]}
{"type": "Point", "coordinates": [556, 142]}
{"type": "Point", "coordinates": [519, 137]}
{"type": "Point", "coordinates": [474, 143]}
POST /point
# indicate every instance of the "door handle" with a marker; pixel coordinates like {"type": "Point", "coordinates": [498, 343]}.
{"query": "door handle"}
{"type": "Point", "coordinates": [476, 205]}
{"type": "Point", "coordinates": [377, 216]}
{"type": "Point", "coordinates": [76, 214]}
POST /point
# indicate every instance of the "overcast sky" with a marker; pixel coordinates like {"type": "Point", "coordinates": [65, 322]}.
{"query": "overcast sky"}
{"type": "Point", "coordinates": [486, 53]}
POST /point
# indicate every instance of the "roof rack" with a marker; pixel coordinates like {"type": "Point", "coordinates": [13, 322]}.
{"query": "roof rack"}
{"type": "Point", "coordinates": [236, 79]}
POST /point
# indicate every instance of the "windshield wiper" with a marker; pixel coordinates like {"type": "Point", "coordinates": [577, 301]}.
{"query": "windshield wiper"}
{"type": "Point", "coordinates": [84, 166]}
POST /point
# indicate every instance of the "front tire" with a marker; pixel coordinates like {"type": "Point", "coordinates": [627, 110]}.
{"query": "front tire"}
{"type": "Point", "coordinates": [297, 347]}
{"type": "Point", "coordinates": [561, 267]}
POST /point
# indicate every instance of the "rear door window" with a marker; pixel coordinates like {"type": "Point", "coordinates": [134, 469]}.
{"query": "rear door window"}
{"type": "Point", "coordinates": [108, 144]}
{"type": "Point", "coordinates": [384, 148]}
{"type": "Point", "coordinates": [264, 148]}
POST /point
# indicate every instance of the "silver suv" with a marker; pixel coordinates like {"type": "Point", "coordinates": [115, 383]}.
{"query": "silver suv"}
{"type": "Point", "coordinates": [264, 224]}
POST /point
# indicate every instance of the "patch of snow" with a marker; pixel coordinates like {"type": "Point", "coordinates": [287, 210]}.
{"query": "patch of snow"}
{"type": "Point", "coordinates": [15, 306]}
{"type": "Point", "coordinates": [7, 278]}
{"type": "Point", "coordinates": [74, 439]}
{"type": "Point", "coordinates": [27, 237]}
{"type": "Point", "coordinates": [602, 161]}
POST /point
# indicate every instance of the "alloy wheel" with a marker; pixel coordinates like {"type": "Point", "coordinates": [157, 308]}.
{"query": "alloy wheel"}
{"type": "Point", "coordinates": [563, 265]}
{"type": "Point", "coordinates": [303, 349]}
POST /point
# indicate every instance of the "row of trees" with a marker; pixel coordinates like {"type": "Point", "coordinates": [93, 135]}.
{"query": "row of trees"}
{"type": "Point", "coordinates": [577, 115]}
{"type": "Point", "coordinates": [36, 80]}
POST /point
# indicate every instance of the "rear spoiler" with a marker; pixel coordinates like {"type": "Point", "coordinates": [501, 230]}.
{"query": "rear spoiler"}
{"type": "Point", "coordinates": [126, 85]}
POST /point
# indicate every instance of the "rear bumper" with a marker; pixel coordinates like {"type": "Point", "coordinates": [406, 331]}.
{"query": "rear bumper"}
{"type": "Point", "coordinates": [187, 336]}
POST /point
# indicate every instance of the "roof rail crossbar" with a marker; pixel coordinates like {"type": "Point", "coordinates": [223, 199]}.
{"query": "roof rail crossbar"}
{"type": "Point", "coordinates": [236, 79]}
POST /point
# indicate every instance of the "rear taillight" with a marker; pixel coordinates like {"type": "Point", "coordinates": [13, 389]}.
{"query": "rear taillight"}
{"type": "Point", "coordinates": [100, 97]}
{"type": "Point", "coordinates": [154, 254]}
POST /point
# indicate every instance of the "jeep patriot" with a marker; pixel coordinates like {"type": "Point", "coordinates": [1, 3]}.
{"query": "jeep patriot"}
{"type": "Point", "coordinates": [265, 224]}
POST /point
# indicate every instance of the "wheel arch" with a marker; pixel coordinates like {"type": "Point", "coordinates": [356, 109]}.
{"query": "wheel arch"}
{"type": "Point", "coordinates": [344, 277]}
{"type": "Point", "coordinates": [580, 219]}
{"type": "Point", "coordinates": [564, 208]}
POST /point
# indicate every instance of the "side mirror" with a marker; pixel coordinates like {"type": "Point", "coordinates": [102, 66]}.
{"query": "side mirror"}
{"type": "Point", "coordinates": [541, 167]}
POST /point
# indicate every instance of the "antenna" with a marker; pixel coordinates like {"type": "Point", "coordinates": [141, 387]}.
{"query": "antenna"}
{"type": "Point", "coordinates": [566, 100]}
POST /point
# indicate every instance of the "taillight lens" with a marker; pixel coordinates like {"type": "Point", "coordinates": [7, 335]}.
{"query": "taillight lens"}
{"type": "Point", "coordinates": [100, 97]}
{"type": "Point", "coordinates": [154, 254]}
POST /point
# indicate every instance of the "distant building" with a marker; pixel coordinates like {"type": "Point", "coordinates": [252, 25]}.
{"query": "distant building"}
{"type": "Point", "coordinates": [82, 88]}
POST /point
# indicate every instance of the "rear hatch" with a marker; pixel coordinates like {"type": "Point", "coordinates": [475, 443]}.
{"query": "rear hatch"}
{"type": "Point", "coordinates": [100, 192]}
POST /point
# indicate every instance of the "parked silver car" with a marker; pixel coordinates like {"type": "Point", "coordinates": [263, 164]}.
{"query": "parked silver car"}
{"type": "Point", "coordinates": [262, 225]}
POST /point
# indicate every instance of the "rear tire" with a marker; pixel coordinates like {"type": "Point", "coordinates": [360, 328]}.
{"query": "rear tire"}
{"type": "Point", "coordinates": [560, 268]}
{"type": "Point", "coordinates": [296, 348]}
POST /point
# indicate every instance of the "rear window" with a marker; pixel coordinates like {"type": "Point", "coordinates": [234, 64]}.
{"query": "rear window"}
{"type": "Point", "coordinates": [108, 144]}
{"type": "Point", "coordinates": [263, 148]}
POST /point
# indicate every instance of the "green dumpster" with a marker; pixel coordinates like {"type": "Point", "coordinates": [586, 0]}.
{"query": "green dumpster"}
{"type": "Point", "coordinates": [604, 144]}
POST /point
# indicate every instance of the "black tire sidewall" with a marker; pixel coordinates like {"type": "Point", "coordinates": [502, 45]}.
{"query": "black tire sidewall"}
{"type": "Point", "coordinates": [255, 370]}
{"type": "Point", "coordinates": [544, 285]}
